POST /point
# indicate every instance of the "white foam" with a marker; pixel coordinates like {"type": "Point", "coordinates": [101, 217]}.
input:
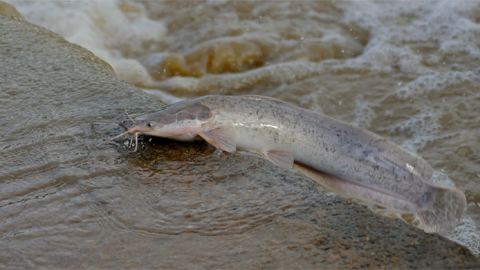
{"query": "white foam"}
{"type": "Point", "coordinates": [421, 128]}
{"type": "Point", "coordinates": [283, 73]}
{"type": "Point", "coordinates": [448, 26]}
{"type": "Point", "coordinates": [106, 28]}
{"type": "Point", "coordinates": [364, 114]}
{"type": "Point", "coordinates": [467, 234]}
{"type": "Point", "coordinates": [434, 83]}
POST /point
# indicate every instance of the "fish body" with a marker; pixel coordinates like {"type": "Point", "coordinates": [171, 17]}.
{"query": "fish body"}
{"type": "Point", "coordinates": [342, 157]}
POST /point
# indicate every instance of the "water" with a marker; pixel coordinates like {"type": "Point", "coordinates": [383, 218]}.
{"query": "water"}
{"type": "Point", "coordinates": [407, 70]}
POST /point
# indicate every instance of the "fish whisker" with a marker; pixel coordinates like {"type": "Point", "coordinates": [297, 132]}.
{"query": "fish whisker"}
{"type": "Point", "coordinates": [136, 141]}
{"type": "Point", "coordinates": [118, 136]}
{"type": "Point", "coordinates": [103, 121]}
{"type": "Point", "coordinates": [125, 109]}
{"type": "Point", "coordinates": [131, 141]}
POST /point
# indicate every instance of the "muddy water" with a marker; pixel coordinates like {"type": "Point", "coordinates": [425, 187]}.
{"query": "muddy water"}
{"type": "Point", "coordinates": [408, 73]}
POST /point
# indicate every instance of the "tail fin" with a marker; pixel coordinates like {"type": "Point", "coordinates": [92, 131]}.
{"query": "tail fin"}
{"type": "Point", "coordinates": [444, 212]}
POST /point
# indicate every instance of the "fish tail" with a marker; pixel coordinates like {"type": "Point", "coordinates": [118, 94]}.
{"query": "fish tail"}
{"type": "Point", "coordinates": [444, 212]}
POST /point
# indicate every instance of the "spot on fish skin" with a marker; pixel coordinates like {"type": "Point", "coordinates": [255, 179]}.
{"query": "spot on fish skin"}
{"type": "Point", "coordinates": [184, 115]}
{"type": "Point", "coordinates": [168, 119]}
{"type": "Point", "coordinates": [409, 167]}
{"type": "Point", "coordinates": [203, 116]}
{"type": "Point", "coordinates": [367, 153]}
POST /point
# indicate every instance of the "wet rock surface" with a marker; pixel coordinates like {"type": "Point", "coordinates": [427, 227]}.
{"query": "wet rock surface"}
{"type": "Point", "coordinates": [66, 203]}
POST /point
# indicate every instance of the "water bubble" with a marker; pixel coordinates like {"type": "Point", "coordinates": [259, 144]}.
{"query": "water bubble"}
{"type": "Point", "coordinates": [343, 51]}
{"type": "Point", "coordinates": [399, 83]}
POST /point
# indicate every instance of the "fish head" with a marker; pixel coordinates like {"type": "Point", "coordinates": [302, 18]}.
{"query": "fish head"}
{"type": "Point", "coordinates": [179, 121]}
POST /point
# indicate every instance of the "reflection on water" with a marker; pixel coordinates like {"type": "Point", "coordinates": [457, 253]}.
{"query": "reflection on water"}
{"type": "Point", "coordinates": [407, 72]}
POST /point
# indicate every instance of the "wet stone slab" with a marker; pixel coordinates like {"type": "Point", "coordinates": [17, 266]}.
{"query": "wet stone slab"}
{"type": "Point", "coordinates": [66, 203]}
{"type": "Point", "coordinates": [245, 212]}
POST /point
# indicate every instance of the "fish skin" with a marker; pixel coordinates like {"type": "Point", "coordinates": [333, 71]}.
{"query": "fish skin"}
{"type": "Point", "coordinates": [325, 144]}
{"type": "Point", "coordinates": [368, 166]}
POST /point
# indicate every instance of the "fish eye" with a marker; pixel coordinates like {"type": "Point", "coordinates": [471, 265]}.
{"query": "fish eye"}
{"type": "Point", "coordinates": [149, 125]}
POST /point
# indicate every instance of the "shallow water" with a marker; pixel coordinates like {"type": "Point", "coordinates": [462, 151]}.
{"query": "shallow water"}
{"type": "Point", "coordinates": [407, 71]}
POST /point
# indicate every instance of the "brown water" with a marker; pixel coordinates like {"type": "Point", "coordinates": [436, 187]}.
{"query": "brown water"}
{"type": "Point", "coordinates": [406, 72]}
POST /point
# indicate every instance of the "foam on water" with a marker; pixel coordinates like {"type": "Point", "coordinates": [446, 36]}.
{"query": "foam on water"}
{"type": "Point", "coordinates": [416, 54]}
{"type": "Point", "coordinates": [422, 128]}
{"type": "Point", "coordinates": [401, 33]}
{"type": "Point", "coordinates": [452, 30]}
{"type": "Point", "coordinates": [435, 83]}
{"type": "Point", "coordinates": [108, 28]}
{"type": "Point", "coordinates": [447, 30]}
{"type": "Point", "coordinates": [121, 32]}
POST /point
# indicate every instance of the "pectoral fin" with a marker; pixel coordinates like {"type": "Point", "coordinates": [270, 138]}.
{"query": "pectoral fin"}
{"type": "Point", "coordinates": [283, 159]}
{"type": "Point", "coordinates": [223, 137]}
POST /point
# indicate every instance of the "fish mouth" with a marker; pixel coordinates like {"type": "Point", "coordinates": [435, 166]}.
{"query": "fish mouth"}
{"type": "Point", "coordinates": [125, 128]}
{"type": "Point", "coordinates": [133, 134]}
